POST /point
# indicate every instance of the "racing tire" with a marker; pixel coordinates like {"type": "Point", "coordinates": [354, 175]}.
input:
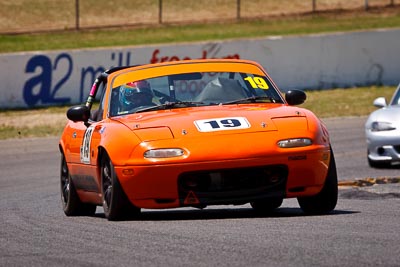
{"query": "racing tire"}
{"type": "Point", "coordinates": [325, 201]}
{"type": "Point", "coordinates": [266, 205]}
{"type": "Point", "coordinates": [116, 204]}
{"type": "Point", "coordinates": [72, 205]}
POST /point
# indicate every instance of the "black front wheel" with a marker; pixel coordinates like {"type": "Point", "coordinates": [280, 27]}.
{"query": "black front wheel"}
{"type": "Point", "coordinates": [266, 205]}
{"type": "Point", "coordinates": [116, 204]}
{"type": "Point", "coordinates": [325, 201]}
{"type": "Point", "coordinates": [71, 203]}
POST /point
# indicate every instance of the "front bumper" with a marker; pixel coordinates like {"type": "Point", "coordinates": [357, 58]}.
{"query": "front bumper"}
{"type": "Point", "coordinates": [385, 153]}
{"type": "Point", "coordinates": [384, 146]}
{"type": "Point", "coordinates": [224, 181]}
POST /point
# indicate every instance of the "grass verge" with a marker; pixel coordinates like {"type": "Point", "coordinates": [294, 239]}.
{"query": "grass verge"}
{"type": "Point", "coordinates": [324, 22]}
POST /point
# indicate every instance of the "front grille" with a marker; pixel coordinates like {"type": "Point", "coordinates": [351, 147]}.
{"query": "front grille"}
{"type": "Point", "coordinates": [234, 185]}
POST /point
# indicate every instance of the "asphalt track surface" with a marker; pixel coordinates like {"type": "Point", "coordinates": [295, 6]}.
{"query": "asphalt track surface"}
{"type": "Point", "coordinates": [364, 229]}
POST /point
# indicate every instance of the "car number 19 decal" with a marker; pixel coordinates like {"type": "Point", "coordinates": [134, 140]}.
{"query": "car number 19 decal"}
{"type": "Point", "coordinates": [220, 124]}
{"type": "Point", "coordinates": [257, 82]}
{"type": "Point", "coordinates": [85, 148]}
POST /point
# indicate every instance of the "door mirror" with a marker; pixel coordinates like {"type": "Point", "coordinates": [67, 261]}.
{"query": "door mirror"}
{"type": "Point", "coordinates": [78, 113]}
{"type": "Point", "coordinates": [295, 97]}
{"type": "Point", "coordinates": [380, 102]}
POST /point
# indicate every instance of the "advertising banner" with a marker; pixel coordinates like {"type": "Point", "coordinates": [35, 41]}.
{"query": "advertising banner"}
{"type": "Point", "coordinates": [46, 78]}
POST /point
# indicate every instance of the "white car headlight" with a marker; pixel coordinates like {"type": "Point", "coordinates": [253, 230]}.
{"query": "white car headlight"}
{"type": "Point", "coordinates": [294, 142]}
{"type": "Point", "coordinates": [164, 153]}
{"type": "Point", "coordinates": [378, 126]}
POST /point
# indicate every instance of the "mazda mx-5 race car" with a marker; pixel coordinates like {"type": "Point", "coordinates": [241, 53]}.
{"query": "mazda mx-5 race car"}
{"type": "Point", "coordinates": [191, 134]}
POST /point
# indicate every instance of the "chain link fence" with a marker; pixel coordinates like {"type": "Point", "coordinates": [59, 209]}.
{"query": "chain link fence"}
{"type": "Point", "coordinates": [20, 16]}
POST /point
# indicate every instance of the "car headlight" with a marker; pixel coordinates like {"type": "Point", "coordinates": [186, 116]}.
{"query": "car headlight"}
{"type": "Point", "coordinates": [294, 142]}
{"type": "Point", "coordinates": [378, 126]}
{"type": "Point", "coordinates": [164, 153]}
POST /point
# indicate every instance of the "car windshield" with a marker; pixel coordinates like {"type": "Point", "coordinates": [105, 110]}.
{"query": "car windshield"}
{"type": "Point", "coordinates": [396, 97]}
{"type": "Point", "coordinates": [192, 89]}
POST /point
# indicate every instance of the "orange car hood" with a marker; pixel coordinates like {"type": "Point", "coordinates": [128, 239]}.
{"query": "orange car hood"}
{"type": "Point", "coordinates": [173, 123]}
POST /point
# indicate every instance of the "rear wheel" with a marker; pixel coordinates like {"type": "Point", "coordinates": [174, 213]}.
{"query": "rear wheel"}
{"type": "Point", "coordinates": [326, 200]}
{"type": "Point", "coordinates": [266, 205]}
{"type": "Point", "coordinates": [71, 203]}
{"type": "Point", "coordinates": [115, 202]}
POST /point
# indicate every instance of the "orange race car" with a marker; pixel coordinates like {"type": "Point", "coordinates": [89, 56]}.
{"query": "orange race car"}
{"type": "Point", "coordinates": [191, 134]}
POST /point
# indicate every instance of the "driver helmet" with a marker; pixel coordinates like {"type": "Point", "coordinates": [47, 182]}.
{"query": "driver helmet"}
{"type": "Point", "coordinates": [135, 94]}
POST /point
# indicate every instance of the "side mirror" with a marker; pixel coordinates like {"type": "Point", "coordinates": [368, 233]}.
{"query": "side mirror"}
{"type": "Point", "coordinates": [78, 113]}
{"type": "Point", "coordinates": [295, 97]}
{"type": "Point", "coordinates": [380, 102]}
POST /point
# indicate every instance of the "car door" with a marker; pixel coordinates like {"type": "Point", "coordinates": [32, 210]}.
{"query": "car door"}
{"type": "Point", "coordinates": [84, 148]}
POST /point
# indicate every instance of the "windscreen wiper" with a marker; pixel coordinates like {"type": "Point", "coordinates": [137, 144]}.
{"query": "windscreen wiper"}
{"type": "Point", "coordinates": [252, 99]}
{"type": "Point", "coordinates": [169, 105]}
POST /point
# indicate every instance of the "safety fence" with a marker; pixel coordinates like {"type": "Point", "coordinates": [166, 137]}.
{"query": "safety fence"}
{"type": "Point", "coordinates": [48, 15]}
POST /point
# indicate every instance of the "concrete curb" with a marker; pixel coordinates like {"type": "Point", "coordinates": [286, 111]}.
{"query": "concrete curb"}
{"type": "Point", "coordinates": [369, 181]}
{"type": "Point", "coordinates": [370, 188]}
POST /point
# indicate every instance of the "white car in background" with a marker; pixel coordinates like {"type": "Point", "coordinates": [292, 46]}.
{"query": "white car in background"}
{"type": "Point", "coordinates": [382, 131]}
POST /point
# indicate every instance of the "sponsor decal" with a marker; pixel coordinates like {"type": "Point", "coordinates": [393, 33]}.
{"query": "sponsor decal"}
{"type": "Point", "coordinates": [191, 199]}
{"type": "Point", "coordinates": [299, 157]}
